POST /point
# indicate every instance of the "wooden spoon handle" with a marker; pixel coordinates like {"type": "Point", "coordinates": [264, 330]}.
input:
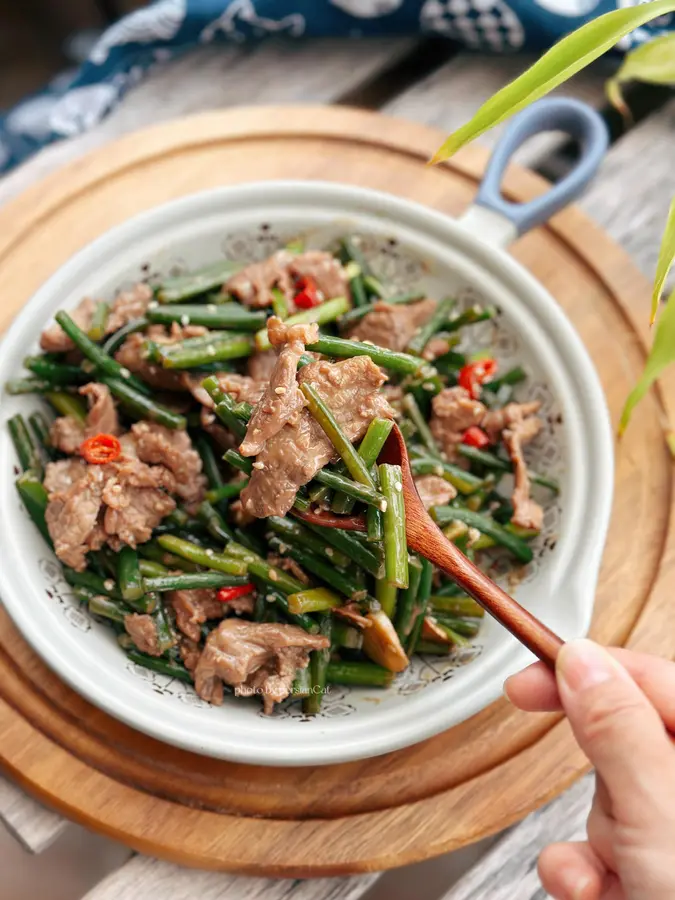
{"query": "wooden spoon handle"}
{"type": "Point", "coordinates": [543, 642]}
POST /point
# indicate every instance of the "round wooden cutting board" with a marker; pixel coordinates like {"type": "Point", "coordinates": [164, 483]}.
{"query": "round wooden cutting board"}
{"type": "Point", "coordinates": [476, 778]}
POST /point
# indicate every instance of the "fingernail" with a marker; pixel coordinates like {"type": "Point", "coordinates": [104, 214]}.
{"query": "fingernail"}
{"type": "Point", "coordinates": [582, 665]}
{"type": "Point", "coordinates": [580, 890]}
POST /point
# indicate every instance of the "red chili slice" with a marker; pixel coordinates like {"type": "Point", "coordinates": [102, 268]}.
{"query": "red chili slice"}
{"type": "Point", "coordinates": [101, 449]}
{"type": "Point", "coordinates": [476, 437]}
{"type": "Point", "coordinates": [474, 374]}
{"type": "Point", "coordinates": [308, 295]}
{"type": "Point", "coordinates": [231, 593]}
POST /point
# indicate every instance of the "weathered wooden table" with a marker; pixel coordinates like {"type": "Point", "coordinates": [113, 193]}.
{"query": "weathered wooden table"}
{"type": "Point", "coordinates": [440, 85]}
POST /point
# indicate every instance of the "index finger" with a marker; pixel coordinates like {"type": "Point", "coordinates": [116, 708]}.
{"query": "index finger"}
{"type": "Point", "coordinates": [535, 690]}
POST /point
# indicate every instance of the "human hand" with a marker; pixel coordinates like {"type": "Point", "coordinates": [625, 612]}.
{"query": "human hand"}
{"type": "Point", "coordinates": [621, 706]}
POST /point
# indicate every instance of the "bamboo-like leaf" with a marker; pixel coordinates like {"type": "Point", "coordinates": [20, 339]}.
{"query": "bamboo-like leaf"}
{"type": "Point", "coordinates": [665, 261]}
{"type": "Point", "coordinates": [573, 53]}
{"type": "Point", "coordinates": [653, 63]}
{"type": "Point", "coordinates": [660, 357]}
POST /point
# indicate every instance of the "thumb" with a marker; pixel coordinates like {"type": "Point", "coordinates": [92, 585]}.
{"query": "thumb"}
{"type": "Point", "coordinates": [614, 723]}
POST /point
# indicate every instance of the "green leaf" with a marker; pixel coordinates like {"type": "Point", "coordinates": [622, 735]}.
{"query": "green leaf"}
{"type": "Point", "coordinates": [661, 355]}
{"type": "Point", "coordinates": [564, 59]}
{"type": "Point", "coordinates": [653, 63]}
{"type": "Point", "coordinates": [665, 262]}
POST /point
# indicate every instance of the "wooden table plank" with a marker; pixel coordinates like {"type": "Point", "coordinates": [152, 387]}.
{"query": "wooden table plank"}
{"type": "Point", "coordinates": [509, 869]}
{"type": "Point", "coordinates": [449, 96]}
{"type": "Point", "coordinates": [320, 71]}
{"type": "Point", "coordinates": [153, 879]}
{"type": "Point", "coordinates": [27, 820]}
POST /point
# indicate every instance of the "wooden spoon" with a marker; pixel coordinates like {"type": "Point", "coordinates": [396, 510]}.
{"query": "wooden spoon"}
{"type": "Point", "coordinates": [426, 538]}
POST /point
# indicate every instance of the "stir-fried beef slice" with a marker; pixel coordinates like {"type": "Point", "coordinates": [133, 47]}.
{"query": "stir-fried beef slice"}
{"type": "Point", "coordinates": [237, 649]}
{"type": "Point", "coordinates": [72, 514]}
{"type": "Point", "coordinates": [62, 475]}
{"type": "Point", "coordinates": [289, 565]}
{"type": "Point", "coordinates": [274, 681]}
{"type": "Point", "coordinates": [253, 284]}
{"type": "Point", "coordinates": [241, 387]}
{"type": "Point", "coordinates": [131, 355]}
{"type": "Point", "coordinates": [67, 433]}
{"type": "Point", "coordinates": [393, 325]}
{"type": "Point", "coordinates": [352, 614]}
{"type": "Point", "coordinates": [241, 606]}
{"type": "Point", "coordinates": [325, 270]}
{"type": "Point", "coordinates": [128, 305]}
{"type": "Point", "coordinates": [260, 366]}
{"type": "Point", "coordinates": [195, 607]}
{"type": "Point", "coordinates": [527, 513]}
{"type": "Point", "coordinates": [240, 517]}
{"type": "Point", "coordinates": [282, 401]}
{"type": "Point", "coordinates": [496, 420]}
{"type": "Point", "coordinates": [434, 490]}
{"type": "Point", "coordinates": [137, 500]}
{"type": "Point", "coordinates": [190, 651]}
{"type": "Point", "coordinates": [55, 340]}
{"type": "Point", "coordinates": [172, 449]}
{"type": "Point", "coordinates": [142, 630]}
{"type": "Point", "coordinates": [102, 417]}
{"type": "Point", "coordinates": [453, 411]}
{"type": "Point", "coordinates": [436, 346]}
{"type": "Point", "coordinates": [296, 453]}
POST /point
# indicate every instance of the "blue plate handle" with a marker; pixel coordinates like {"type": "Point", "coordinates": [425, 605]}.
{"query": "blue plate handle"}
{"type": "Point", "coordinates": [575, 118]}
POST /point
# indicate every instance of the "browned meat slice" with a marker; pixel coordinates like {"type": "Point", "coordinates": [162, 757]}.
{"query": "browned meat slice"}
{"type": "Point", "coordinates": [189, 653]}
{"type": "Point", "coordinates": [237, 650]}
{"type": "Point", "coordinates": [254, 283]}
{"type": "Point", "coordinates": [128, 305]}
{"type": "Point", "coordinates": [325, 270]}
{"type": "Point", "coordinates": [67, 433]}
{"type": "Point", "coordinates": [453, 411]}
{"type": "Point", "coordinates": [434, 490]}
{"type": "Point", "coordinates": [393, 325]}
{"type": "Point", "coordinates": [241, 606]}
{"type": "Point", "coordinates": [55, 340]}
{"type": "Point", "coordinates": [241, 387]}
{"type": "Point", "coordinates": [437, 346]}
{"type": "Point", "coordinates": [282, 401]}
{"type": "Point", "coordinates": [72, 516]}
{"type": "Point", "coordinates": [143, 633]}
{"type": "Point", "coordinates": [193, 608]}
{"type": "Point", "coordinates": [289, 565]}
{"type": "Point", "coordinates": [496, 420]}
{"type": "Point", "coordinates": [61, 475]}
{"type": "Point", "coordinates": [261, 365]}
{"type": "Point", "coordinates": [296, 453]}
{"type": "Point", "coordinates": [102, 417]}
{"type": "Point", "coordinates": [240, 517]}
{"type": "Point", "coordinates": [172, 449]}
{"type": "Point", "coordinates": [132, 355]}
{"type": "Point", "coordinates": [351, 613]}
{"type": "Point", "coordinates": [526, 512]}
{"type": "Point", "coordinates": [136, 500]}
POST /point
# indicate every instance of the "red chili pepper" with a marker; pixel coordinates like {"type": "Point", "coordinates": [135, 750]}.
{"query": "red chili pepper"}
{"type": "Point", "coordinates": [476, 437]}
{"type": "Point", "coordinates": [308, 295]}
{"type": "Point", "coordinates": [231, 593]}
{"type": "Point", "coordinates": [101, 449]}
{"type": "Point", "coordinates": [475, 374]}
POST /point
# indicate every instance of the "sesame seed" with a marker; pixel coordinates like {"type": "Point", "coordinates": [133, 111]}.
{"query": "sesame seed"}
{"type": "Point", "coordinates": [272, 575]}
{"type": "Point", "coordinates": [438, 470]}
{"type": "Point", "coordinates": [258, 465]}
{"type": "Point", "coordinates": [270, 598]}
{"type": "Point", "coordinates": [280, 390]}
{"type": "Point", "coordinates": [368, 342]}
{"type": "Point", "coordinates": [153, 304]}
{"type": "Point", "coordinates": [185, 319]}
{"type": "Point", "coordinates": [211, 307]}
{"type": "Point", "coordinates": [209, 551]}
{"type": "Point", "coordinates": [125, 373]}
{"type": "Point", "coordinates": [211, 350]}
{"type": "Point", "coordinates": [109, 584]}
{"type": "Point", "coordinates": [383, 506]}
{"type": "Point", "coordinates": [428, 386]}
{"type": "Point", "coordinates": [329, 551]}
{"type": "Point", "coordinates": [398, 486]}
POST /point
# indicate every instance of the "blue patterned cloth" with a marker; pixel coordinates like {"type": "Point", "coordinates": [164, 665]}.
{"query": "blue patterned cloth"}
{"type": "Point", "coordinates": [74, 103]}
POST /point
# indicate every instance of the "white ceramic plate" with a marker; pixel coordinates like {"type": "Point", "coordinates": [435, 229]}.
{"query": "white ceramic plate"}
{"type": "Point", "coordinates": [407, 245]}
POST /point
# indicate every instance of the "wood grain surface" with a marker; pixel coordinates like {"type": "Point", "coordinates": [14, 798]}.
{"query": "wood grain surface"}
{"type": "Point", "coordinates": [416, 803]}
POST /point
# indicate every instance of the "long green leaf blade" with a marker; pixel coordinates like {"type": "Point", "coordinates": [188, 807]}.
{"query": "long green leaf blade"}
{"type": "Point", "coordinates": [661, 355]}
{"type": "Point", "coordinates": [653, 63]}
{"type": "Point", "coordinates": [573, 53]}
{"type": "Point", "coordinates": [665, 261]}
